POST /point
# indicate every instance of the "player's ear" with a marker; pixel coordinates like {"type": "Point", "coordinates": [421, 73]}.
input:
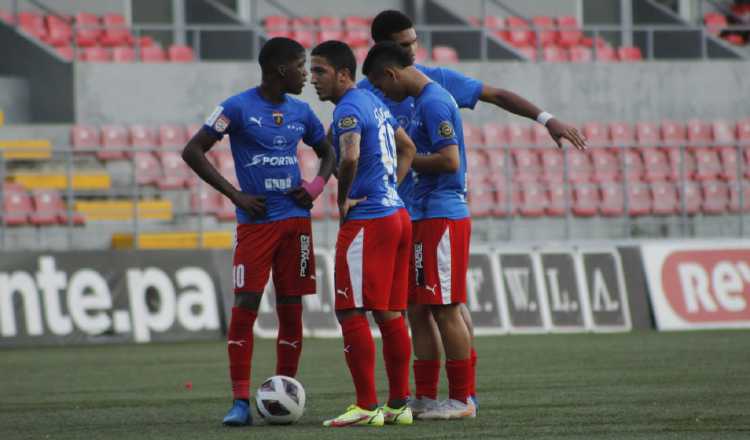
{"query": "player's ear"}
{"type": "Point", "coordinates": [282, 70]}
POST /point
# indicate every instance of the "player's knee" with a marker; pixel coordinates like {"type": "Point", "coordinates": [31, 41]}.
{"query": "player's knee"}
{"type": "Point", "coordinates": [384, 316]}
{"type": "Point", "coordinates": [248, 300]}
{"type": "Point", "coordinates": [343, 315]}
{"type": "Point", "coordinates": [445, 313]}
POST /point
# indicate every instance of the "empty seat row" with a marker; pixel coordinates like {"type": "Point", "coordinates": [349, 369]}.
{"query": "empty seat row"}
{"type": "Point", "coordinates": [113, 141]}
{"type": "Point", "coordinates": [309, 31]}
{"type": "Point", "coordinates": [42, 207]}
{"type": "Point", "coordinates": [719, 24]}
{"type": "Point", "coordinates": [176, 53]}
{"type": "Point", "coordinates": [84, 29]}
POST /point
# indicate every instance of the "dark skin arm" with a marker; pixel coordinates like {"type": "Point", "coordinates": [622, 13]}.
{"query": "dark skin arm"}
{"type": "Point", "coordinates": [325, 152]}
{"type": "Point", "coordinates": [518, 105]}
{"type": "Point", "coordinates": [194, 154]}
{"type": "Point", "coordinates": [446, 160]}
{"type": "Point", "coordinates": [406, 151]}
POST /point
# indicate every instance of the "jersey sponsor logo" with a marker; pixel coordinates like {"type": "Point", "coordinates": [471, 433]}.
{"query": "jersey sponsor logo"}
{"type": "Point", "coordinates": [273, 161]}
{"type": "Point", "coordinates": [257, 120]}
{"type": "Point", "coordinates": [419, 263]}
{"type": "Point", "coordinates": [214, 116]}
{"type": "Point", "coordinates": [305, 247]}
{"type": "Point", "coordinates": [347, 122]}
{"type": "Point", "coordinates": [279, 142]}
{"type": "Point", "coordinates": [278, 118]}
{"type": "Point", "coordinates": [295, 126]}
{"type": "Point", "coordinates": [278, 184]}
{"type": "Point", "coordinates": [445, 129]}
{"type": "Point", "coordinates": [221, 124]}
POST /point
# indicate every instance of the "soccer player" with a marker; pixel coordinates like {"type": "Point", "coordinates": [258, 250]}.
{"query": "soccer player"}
{"type": "Point", "coordinates": [265, 125]}
{"type": "Point", "coordinates": [391, 25]}
{"type": "Point", "coordinates": [442, 226]}
{"type": "Point", "coordinates": [374, 240]}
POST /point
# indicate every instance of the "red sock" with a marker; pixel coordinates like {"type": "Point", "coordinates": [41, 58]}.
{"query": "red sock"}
{"type": "Point", "coordinates": [426, 377]}
{"type": "Point", "coordinates": [289, 340]}
{"type": "Point", "coordinates": [459, 374]}
{"type": "Point", "coordinates": [359, 350]}
{"type": "Point", "coordinates": [396, 353]}
{"type": "Point", "coordinates": [240, 350]}
{"type": "Point", "coordinates": [473, 377]}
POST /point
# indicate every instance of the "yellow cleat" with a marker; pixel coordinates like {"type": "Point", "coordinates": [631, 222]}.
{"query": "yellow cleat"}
{"type": "Point", "coordinates": [398, 416]}
{"type": "Point", "coordinates": [356, 416]}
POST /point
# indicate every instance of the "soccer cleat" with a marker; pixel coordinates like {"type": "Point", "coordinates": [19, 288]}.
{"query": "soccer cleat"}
{"type": "Point", "coordinates": [239, 415]}
{"type": "Point", "coordinates": [450, 409]}
{"type": "Point", "coordinates": [397, 416]}
{"type": "Point", "coordinates": [475, 401]}
{"type": "Point", "coordinates": [422, 404]}
{"type": "Point", "coordinates": [356, 416]}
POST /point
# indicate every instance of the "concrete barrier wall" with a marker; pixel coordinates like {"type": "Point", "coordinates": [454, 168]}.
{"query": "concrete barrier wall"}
{"type": "Point", "coordinates": [14, 99]}
{"type": "Point", "coordinates": [604, 92]}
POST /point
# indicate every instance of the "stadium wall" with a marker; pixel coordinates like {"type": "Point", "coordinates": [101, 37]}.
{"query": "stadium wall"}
{"type": "Point", "coordinates": [14, 99]}
{"type": "Point", "coordinates": [106, 93]}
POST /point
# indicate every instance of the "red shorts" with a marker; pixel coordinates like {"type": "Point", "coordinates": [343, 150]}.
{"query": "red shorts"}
{"type": "Point", "coordinates": [372, 263]}
{"type": "Point", "coordinates": [284, 246]}
{"type": "Point", "coordinates": [440, 261]}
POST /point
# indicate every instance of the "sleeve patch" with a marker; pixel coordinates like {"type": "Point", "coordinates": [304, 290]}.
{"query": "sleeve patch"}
{"type": "Point", "coordinates": [347, 122]}
{"type": "Point", "coordinates": [445, 129]}
{"type": "Point", "coordinates": [211, 120]}
{"type": "Point", "coordinates": [221, 124]}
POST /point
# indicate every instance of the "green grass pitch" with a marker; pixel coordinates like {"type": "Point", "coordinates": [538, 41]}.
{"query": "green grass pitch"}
{"type": "Point", "coordinates": [644, 385]}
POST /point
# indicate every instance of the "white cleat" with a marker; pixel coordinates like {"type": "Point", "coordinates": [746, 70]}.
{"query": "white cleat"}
{"type": "Point", "coordinates": [450, 409]}
{"type": "Point", "coordinates": [421, 405]}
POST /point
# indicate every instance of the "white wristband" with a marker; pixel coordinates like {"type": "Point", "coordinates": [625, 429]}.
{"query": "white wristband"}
{"type": "Point", "coordinates": [544, 117]}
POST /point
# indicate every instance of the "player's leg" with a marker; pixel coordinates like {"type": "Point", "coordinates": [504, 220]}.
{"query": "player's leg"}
{"type": "Point", "coordinates": [359, 347]}
{"type": "Point", "coordinates": [293, 276]}
{"type": "Point", "coordinates": [466, 316]}
{"type": "Point", "coordinates": [250, 270]}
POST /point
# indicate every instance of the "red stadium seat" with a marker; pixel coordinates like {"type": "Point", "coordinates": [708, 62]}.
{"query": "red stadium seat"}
{"type": "Point", "coordinates": [656, 164]}
{"type": "Point", "coordinates": [49, 209]}
{"type": "Point", "coordinates": [180, 53]}
{"type": "Point", "coordinates": [309, 163]}
{"type": "Point", "coordinates": [545, 30]}
{"type": "Point", "coordinates": [555, 54]}
{"type": "Point", "coordinates": [677, 164]}
{"type": "Point", "coordinates": [673, 133]}
{"type": "Point", "coordinates": [540, 137]}
{"type": "Point", "coordinates": [495, 135]}
{"type": "Point", "coordinates": [331, 34]}
{"type": "Point", "coordinates": [329, 22]}
{"type": "Point", "coordinates": [527, 167]}
{"type": "Point", "coordinates": [585, 200]}
{"type": "Point", "coordinates": [59, 33]}
{"type": "Point", "coordinates": [304, 37]}
{"type": "Point", "coordinates": [699, 133]}
{"type": "Point", "coordinates": [142, 137]}
{"type": "Point", "coordinates": [420, 56]}
{"type": "Point", "coordinates": [147, 168]}
{"type": "Point", "coordinates": [629, 53]}
{"type": "Point", "coordinates": [621, 133]}
{"type": "Point", "coordinates": [153, 54]}
{"type": "Point", "coordinates": [16, 205]}
{"type": "Point", "coordinates": [634, 167]}
{"type": "Point", "coordinates": [114, 142]}
{"type": "Point", "coordinates": [33, 24]}
{"type": "Point", "coordinates": [529, 52]}
{"type": "Point", "coordinates": [519, 135]}
{"type": "Point", "coordinates": [715, 197]}
{"type": "Point", "coordinates": [691, 193]}
{"type": "Point", "coordinates": [534, 200]}
{"type": "Point", "coordinates": [743, 130]}
{"type": "Point", "coordinates": [519, 33]}
{"type": "Point", "coordinates": [84, 137]}
{"type": "Point", "coordinates": [477, 165]}
{"type": "Point", "coordinates": [275, 23]}
{"type": "Point", "coordinates": [579, 166]}
{"type": "Point", "coordinates": [729, 163]}
{"type": "Point", "coordinates": [481, 200]}
{"type": "Point", "coordinates": [472, 136]}
{"type": "Point", "coordinates": [96, 55]}
{"type": "Point", "coordinates": [647, 134]}
{"type": "Point", "coordinates": [360, 53]}
{"type": "Point", "coordinates": [116, 32]}
{"type": "Point", "coordinates": [205, 200]}
{"type": "Point", "coordinates": [723, 133]}
{"type": "Point", "coordinates": [176, 174]}
{"type": "Point", "coordinates": [498, 164]}
{"type": "Point", "coordinates": [665, 200]}
{"type": "Point", "coordinates": [552, 166]}
{"type": "Point", "coordinates": [596, 133]}
{"type": "Point", "coordinates": [715, 22]}
{"type": "Point", "coordinates": [570, 31]}
{"type": "Point", "coordinates": [123, 54]}
{"type": "Point", "coordinates": [171, 135]}
{"type": "Point", "coordinates": [227, 211]}
{"type": "Point", "coordinates": [606, 54]}
{"type": "Point", "coordinates": [7, 16]}
{"type": "Point", "coordinates": [606, 165]}
{"type": "Point", "coordinates": [579, 54]}
{"type": "Point", "coordinates": [66, 52]}
{"type": "Point", "coordinates": [357, 31]}
{"type": "Point", "coordinates": [639, 199]}
{"type": "Point", "coordinates": [613, 200]}
{"type": "Point", "coordinates": [735, 204]}
{"type": "Point", "coordinates": [708, 165]}
{"type": "Point", "coordinates": [558, 205]}
{"type": "Point", "coordinates": [88, 29]}
{"type": "Point", "coordinates": [444, 54]}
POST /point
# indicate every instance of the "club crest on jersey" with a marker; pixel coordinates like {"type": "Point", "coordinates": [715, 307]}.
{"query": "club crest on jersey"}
{"type": "Point", "coordinates": [278, 118]}
{"type": "Point", "coordinates": [221, 124]}
{"type": "Point", "coordinates": [445, 129]}
{"type": "Point", "coordinates": [347, 122]}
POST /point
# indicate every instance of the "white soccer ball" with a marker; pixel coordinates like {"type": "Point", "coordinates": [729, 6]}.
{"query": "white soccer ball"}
{"type": "Point", "coordinates": [280, 400]}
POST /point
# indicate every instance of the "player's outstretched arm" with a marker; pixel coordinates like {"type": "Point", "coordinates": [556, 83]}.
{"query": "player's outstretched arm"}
{"type": "Point", "coordinates": [349, 144]}
{"type": "Point", "coordinates": [519, 105]}
{"type": "Point", "coordinates": [405, 151]}
{"type": "Point", "coordinates": [445, 160]}
{"type": "Point", "coordinates": [194, 154]}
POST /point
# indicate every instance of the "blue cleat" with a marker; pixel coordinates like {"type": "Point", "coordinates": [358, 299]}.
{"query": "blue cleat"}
{"type": "Point", "coordinates": [475, 401]}
{"type": "Point", "coordinates": [239, 415]}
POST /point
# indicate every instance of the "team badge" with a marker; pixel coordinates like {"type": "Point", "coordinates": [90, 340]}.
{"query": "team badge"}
{"type": "Point", "coordinates": [445, 129]}
{"type": "Point", "coordinates": [221, 124]}
{"type": "Point", "coordinates": [278, 118]}
{"type": "Point", "coordinates": [347, 122]}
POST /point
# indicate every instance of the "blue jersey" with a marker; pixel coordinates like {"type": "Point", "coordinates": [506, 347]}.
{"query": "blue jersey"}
{"type": "Point", "coordinates": [362, 112]}
{"type": "Point", "coordinates": [264, 138]}
{"type": "Point", "coordinates": [465, 91]}
{"type": "Point", "coordinates": [436, 125]}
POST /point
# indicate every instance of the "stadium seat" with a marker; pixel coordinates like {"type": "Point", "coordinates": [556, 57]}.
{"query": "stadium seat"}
{"type": "Point", "coordinates": [597, 134]}
{"type": "Point", "coordinates": [612, 200]}
{"type": "Point", "coordinates": [33, 24]}
{"type": "Point", "coordinates": [527, 167]}
{"type": "Point", "coordinates": [7, 17]}
{"type": "Point", "coordinates": [49, 209]}
{"type": "Point", "coordinates": [707, 164]}
{"type": "Point", "coordinates": [555, 54]}
{"type": "Point", "coordinates": [540, 137]}
{"type": "Point", "coordinates": [606, 165]}
{"type": "Point", "coordinates": [472, 136]}
{"type": "Point", "coordinates": [360, 54]}
{"type": "Point", "coordinates": [664, 196]}
{"type": "Point", "coordinates": [357, 31]}
{"type": "Point", "coordinates": [558, 205]}
{"type": "Point", "coordinates": [735, 204]}
{"type": "Point", "coordinates": [743, 130]}
{"type": "Point", "coordinates": [519, 33]}
{"type": "Point", "coordinates": [96, 54]}
{"type": "Point", "coordinates": [729, 163]}
{"type": "Point", "coordinates": [176, 174]}
{"type": "Point", "coordinates": [534, 200]}
{"type": "Point", "coordinates": [656, 164]}
{"type": "Point", "coordinates": [723, 133]}
{"type": "Point", "coordinates": [88, 29]}
{"type": "Point", "coordinates": [421, 55]}
{"type": "Point", "coordinates": [59, 30]}
{"type": "Point", "coordinates": [123, 54]}
{"type": "Point", "coordinates": [304, 37]}
{"type": "Point", "coordinates": [621, 133]}
{"type": "Point", "coordinates": [499, 164]}
{"type": "Point", "coordinates": [444, 54]}
{"type": "Point", "coordinates": [691, 193]}
{"type": "Point", "coordinates": [552, 166]}
{"type": "Point", "coordinates": [308, 163]}
{"type": "Point", "coordinates": [585, 200]}
{"type": "Point", "coordinates": [570, 31]}
{"type": "Point", "coordinates": [647, 134]}
{"type": "Point", "coordinates": [699, 133]}
{"type": "Point", "coordinates": [477, 165]}
{"type": "Point", "coordinates": [629, 53]}
{"type": "Point", "coordinates": [276, 23]}
{"type": "Point", "coordinates": [116, 32]}
{"type": "Point", "coordinates": [66, 52]}
{"type": "Point", "coordinates": [331, 28]}
{"type": "Point", "coordinates": [634, 168]}
{"type": "Point", "coordinates": [84, 137]}
{"type": "Point", "coordinates": [481, 200]}
{"type": "Point", "coordinates": [114, 142]}
{"type": "Point", "coordinates": [715, 22]}
{"type": "Point", "coordinates": [579, 54]}
{"type": "Point", "coordinates": [227, 211]}
{"type": "Point", "coordinates": [673, 133]}
{"type": "Point", "coordinates": [715, 197]}
{"type": "Point", "coordinates": [153, 54]}
{"type": "Point", "coordinates": [529, 52]}
{"type": "Point", "coordinates": [506, 201]}
{"type": "Point", "coordinates": [147, 168]}
{"type": "Point", "coordinates": [495, 135]}
{"type": "Point", "coordinates": [545, 32]}
{"type": "Point", "coordinates": [179, 53]}
{"type": "Point", "coordinates": [579, 166]}
{"type": "Point", "coordinates": [606, 54]}
{"type": "Point", "coordinates": [16, 205]}
{"type": "Point", "coordinates": [677, 164]}
{"type": "Point", "coordinates": [519, 135]}
{"type": "Point", "coordinates": [639, 199]}
{"type": "Point", "coordinates": [142, 137]}
{"type": "Point", "coordinates": [171, 135]}
{"type": "Point", "coordinates": [206, 201]}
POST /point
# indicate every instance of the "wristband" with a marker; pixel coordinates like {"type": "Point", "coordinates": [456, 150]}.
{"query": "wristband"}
{"type": "Point", "coordinates": [544, 117]}
{"type": "Point", "coordinates": [314, 188]}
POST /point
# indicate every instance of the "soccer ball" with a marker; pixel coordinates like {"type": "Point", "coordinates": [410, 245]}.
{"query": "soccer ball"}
{"type": "Point", "coordinates": [280, 400]}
